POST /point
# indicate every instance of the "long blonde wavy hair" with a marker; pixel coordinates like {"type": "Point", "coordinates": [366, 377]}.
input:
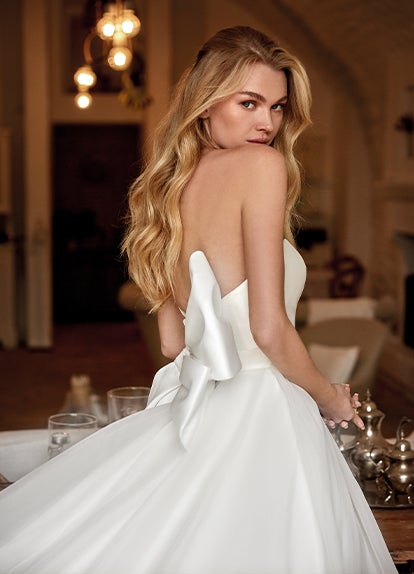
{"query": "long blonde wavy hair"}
{"type": "Point", "coordinates": [153, 237]}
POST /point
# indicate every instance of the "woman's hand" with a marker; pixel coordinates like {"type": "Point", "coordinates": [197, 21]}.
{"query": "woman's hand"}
{"type": "Point", "coordinates": [341, 408]}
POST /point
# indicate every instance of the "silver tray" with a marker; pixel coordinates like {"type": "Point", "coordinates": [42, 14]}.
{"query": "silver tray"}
{"type": "Point", "coordinates": [375, 500]}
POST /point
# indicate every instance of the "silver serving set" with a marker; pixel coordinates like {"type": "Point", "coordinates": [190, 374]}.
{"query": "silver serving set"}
{"type": "Point", "coordinates": [384, 469]}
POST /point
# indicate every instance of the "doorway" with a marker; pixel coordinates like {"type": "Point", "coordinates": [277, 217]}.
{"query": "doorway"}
{"type": "Point", "coordinates": [93, 167]}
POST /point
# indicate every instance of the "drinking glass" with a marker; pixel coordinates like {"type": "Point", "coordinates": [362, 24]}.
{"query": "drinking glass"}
{"type": "Point", "coordinates": [66, 429]}
{"type": "Point", "coordinates": [124, 401]}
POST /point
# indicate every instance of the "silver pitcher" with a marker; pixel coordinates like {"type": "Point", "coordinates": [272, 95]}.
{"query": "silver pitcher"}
{"type": "Point", "coordinates": [399, 476]}
{"type": "Point", "coordinates": [370, 454]}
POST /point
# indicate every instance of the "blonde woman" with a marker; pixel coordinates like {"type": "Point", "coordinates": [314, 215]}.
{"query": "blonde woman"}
{"type": "Point", "coordinates": [231, 469]}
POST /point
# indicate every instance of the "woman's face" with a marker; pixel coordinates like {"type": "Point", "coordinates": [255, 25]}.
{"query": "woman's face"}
{"type": "Point", "coordinates": [253, 114]}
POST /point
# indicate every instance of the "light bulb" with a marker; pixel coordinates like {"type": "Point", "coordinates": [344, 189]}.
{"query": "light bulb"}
{"type": "Point", "coordinates": [83, 100]}
{"type": "Point", "coordinates": [108, 29]}
{"type": "Point", "coordinates": [130, 24]}
{"type": "Point", "coordinates": [119, 58]}
{"type": "Point", "coordinates": [85, 77]}
{"type": "Point", "coordinates": [105, 26]}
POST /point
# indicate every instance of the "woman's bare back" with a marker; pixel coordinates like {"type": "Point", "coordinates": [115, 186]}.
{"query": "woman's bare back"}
{"type": "Point", "coordinates": [211, 217]}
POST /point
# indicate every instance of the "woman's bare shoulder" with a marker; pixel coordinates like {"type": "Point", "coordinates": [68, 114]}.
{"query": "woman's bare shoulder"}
{"type": "Point", "coordinates": [242, 155]}
{"type": "Point", "coordinates": [257, 152]}
{"type": "Point", "coordinates": [246, 163]}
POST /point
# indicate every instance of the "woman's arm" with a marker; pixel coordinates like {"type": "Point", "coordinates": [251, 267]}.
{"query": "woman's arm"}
{"type": "Point", "coordinates": [171, 329]}
{"type": "Point", "coordinates": [263, 210]}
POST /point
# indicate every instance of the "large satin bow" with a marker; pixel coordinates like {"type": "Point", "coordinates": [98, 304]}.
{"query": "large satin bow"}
{"type": "Point", "coordinates": [210, 353]}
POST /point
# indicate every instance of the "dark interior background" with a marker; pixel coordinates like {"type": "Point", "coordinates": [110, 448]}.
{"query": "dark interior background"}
{"type": "Point", "coordinates": [94, 166]}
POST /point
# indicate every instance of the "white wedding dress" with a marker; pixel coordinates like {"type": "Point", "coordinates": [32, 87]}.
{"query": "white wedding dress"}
{"type": "Point", "coordinates": [230, 470]}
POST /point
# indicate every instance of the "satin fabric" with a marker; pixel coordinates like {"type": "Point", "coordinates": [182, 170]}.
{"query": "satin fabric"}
{"type": "Point", "coordinates": [213, 355]}
{"type": "Point", "coordinates": [230, 470]}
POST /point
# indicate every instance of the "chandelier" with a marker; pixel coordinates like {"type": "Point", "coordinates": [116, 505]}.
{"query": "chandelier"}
{"type": "Point", "coordinates": [115, 26]}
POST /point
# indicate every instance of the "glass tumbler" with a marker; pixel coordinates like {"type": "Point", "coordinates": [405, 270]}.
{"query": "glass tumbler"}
{"type": "Point", "coordinates": [66, 429]}
{"type": "Point", "coordinates": [124, 401]}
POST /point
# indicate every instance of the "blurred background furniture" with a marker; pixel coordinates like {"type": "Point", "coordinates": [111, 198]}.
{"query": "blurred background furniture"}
{"type": "Point", "coordinates": [130, 299]}
{"type": "Point", "coordinates": [312, 310]}
{"type": "Point", "coordinates": [341, 276]}
{"type": "Point", "coordinates": [369, 335]}
{"type": "Point", "coordinates": [348, 276]}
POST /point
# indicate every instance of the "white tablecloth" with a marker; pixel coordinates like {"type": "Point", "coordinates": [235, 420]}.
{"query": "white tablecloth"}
{"type": "Point", "coordinates": [21, 451]}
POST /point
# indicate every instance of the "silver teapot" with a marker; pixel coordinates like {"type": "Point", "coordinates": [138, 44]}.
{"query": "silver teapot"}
{"type": "Point", "coordinates": [399, 476]}
{"type": "Point", "coordinates": [370, 454]}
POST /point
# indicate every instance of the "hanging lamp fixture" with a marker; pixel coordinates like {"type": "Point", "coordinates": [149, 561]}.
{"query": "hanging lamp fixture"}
{"type": "Point", "coordinates": [116, 27]}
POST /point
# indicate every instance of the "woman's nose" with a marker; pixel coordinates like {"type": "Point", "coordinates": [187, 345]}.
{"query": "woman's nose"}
{"type": "Point", "coordinates": [265, 121]}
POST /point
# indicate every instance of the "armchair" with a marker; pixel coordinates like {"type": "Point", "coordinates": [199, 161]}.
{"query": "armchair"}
{"type": "Point", "coordinates": [369, 335]}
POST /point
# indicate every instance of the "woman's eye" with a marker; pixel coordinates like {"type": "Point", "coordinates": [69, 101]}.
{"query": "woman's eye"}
{"type": "Point", "coordinates": [278, 107]}
{"type": "Point", "coordinates": [248, 105]}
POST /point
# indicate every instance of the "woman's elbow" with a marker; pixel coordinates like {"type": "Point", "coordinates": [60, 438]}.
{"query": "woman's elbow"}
{"type": "Point", "coordinates": [170, 351]}
{"type": "Point", "coordinates": [268, 337]}
{"type": "Point", "coordinates": [263, 337]}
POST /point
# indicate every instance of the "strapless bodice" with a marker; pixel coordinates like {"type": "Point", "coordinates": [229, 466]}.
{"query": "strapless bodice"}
{"type": "Point", "coordinates": [218, 340]}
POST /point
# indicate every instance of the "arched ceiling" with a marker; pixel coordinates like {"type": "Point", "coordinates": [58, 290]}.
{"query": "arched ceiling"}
{"type": "Point", "coordinates": [352, 39]}
{"type": "Point", "coordinates": [360, 35]}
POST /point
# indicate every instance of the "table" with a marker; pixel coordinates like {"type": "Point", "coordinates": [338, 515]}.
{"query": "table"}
{"type": "Point", "coordinates": [397, 527]}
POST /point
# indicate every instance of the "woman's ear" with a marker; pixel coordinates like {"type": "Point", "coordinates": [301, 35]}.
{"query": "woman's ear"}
{"type": "Point", "coordinates": [204, 115]}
